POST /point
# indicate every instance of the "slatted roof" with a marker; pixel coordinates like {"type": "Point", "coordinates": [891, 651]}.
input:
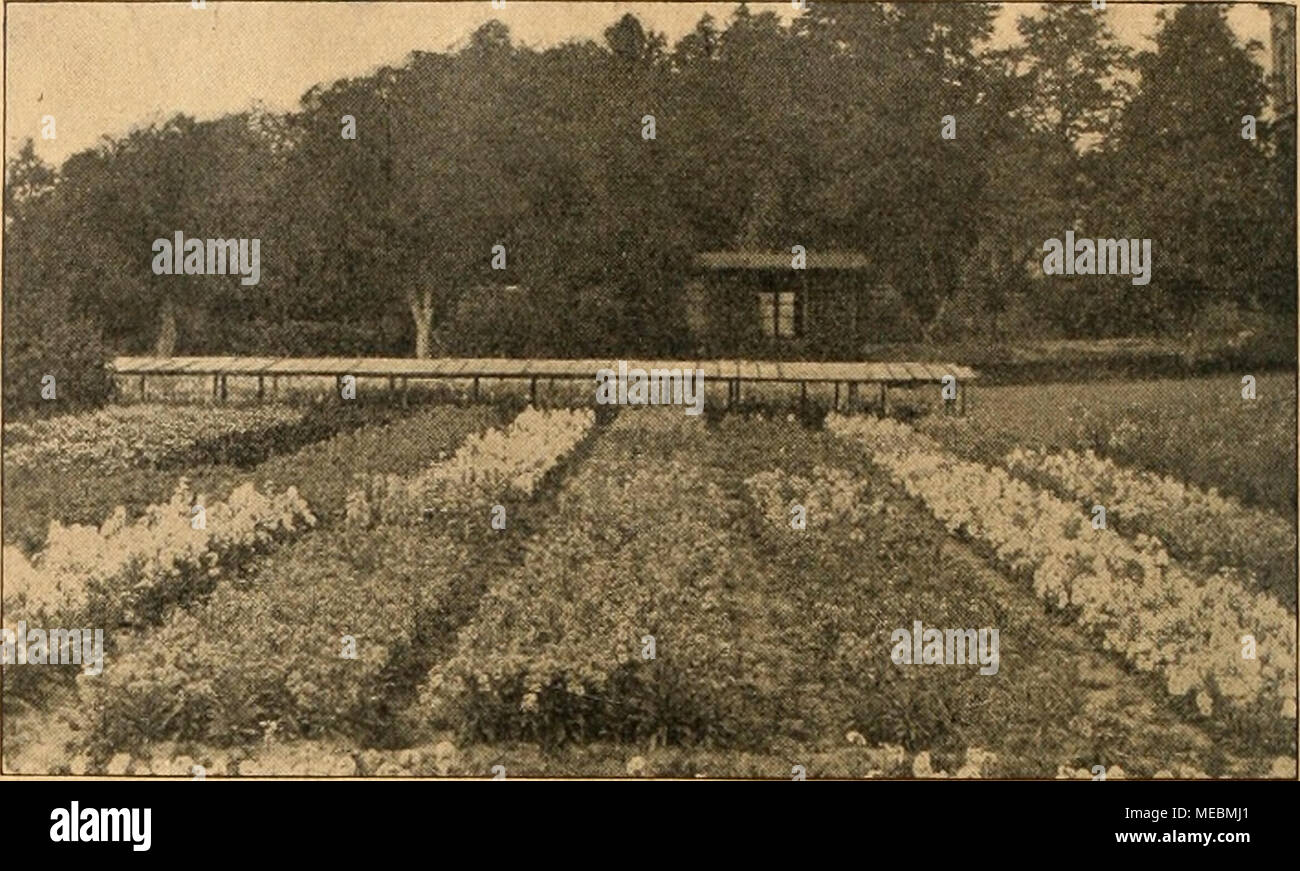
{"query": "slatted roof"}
{"type": "Point", "coordinates": [500, 367]}
{"type": "Point", "coordinates": [750, 259]}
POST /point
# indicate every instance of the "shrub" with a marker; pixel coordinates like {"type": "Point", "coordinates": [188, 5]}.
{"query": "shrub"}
{"type": "Point", "coordinates": [42, 337]}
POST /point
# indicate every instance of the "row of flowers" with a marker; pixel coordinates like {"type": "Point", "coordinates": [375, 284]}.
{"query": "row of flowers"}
{"type": "Point", "coordinates": [444, 759]}
{"type": "Point", "coordinates": [1199, 526]}
{"type": "Point", "coordinates": [125, 573]}
{"type": "Point", "coordinates": [489, 466]}
{"type": "Point", "coordinates": [829, 495]}
{"type": "Point", "coordinates": [304, 649]}
{"type": "Point", "coordinates": [121, 437]}
{"type": "Point", "coordinates": [308, 758]}
{"type": "Point", "coordinates": [327, 636]}
{"type": "Point", "coordinates": [616, 625]}
{"type": "Point", "coordinates": [656, 604]}
{"type": "Point", "coordinates": [1128, 593]}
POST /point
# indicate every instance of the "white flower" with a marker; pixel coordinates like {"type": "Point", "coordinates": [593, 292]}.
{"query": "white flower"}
{"type": "Point", "coordinates": [1129, 594]}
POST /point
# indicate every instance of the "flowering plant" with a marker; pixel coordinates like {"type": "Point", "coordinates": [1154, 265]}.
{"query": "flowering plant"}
{"type": "Point", "coordinates": [121, 437]}
{"type": "Point", "coordinates": [831, 494]}
{"type": "Point", "coordinates": [483, 470]}
{"type": "Point", "coordinates": [557, 651]}
{"type": "Point", "coordinates": [1200, 526]}
{"type": "Point", "coordinates": [126, 573]}
{"type": "Point", "coordinates": [1128, 593]}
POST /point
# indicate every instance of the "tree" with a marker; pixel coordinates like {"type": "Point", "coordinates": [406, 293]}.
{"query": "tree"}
{"type": "Point", "coordinates": [1076, 71]}
{"type": "Point", "coordinates": [45, 332]}
{"type": "Point", "coordinates": [1182, 175]}
{"type": "Point", "coordinates": [1058, 93]}
{"type": "Point", "coordinates": [206, 180]}
{"type": "Point", "coordinates": [28, 179]}
{"type": "Point", "coordinates": [889, 185]}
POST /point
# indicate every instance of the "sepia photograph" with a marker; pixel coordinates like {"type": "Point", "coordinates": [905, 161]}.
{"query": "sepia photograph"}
{"type": "Point", "coordinates": [508, 390]}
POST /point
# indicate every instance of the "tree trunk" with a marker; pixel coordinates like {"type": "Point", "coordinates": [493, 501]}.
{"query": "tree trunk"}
{"type": "Point", "coordinates": [928, 328]}
{"type": "Point", "coordinates": [422, 311]}
{"type": "Point", "coordinates": [165, 345]}
{"type": "Point", "coordinates": [422, 338]}
{"type": "Point", "coordinates": [937, 289]}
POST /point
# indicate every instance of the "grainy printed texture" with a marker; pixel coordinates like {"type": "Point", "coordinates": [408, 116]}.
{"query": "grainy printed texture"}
{"type": "Point", "coordinates": [509, 389]}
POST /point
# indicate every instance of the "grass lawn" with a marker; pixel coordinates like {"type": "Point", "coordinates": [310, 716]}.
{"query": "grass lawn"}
{"type": "Point", "coordinates": [1198, 430]}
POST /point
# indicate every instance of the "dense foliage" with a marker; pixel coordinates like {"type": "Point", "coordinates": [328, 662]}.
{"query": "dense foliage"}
{"type": "Point", "coordinates": [129, 436]}
{"type": "Point", "coordinates": [1161, 616]}
{"type": "Point", "coordinates": [385, 590]}
{"type": "Point", "coordinates": [770, 640]}
{"type": "Point", "coordinates": [823, 131]}
{"type": "Point", "coordinates": [1200, 527]}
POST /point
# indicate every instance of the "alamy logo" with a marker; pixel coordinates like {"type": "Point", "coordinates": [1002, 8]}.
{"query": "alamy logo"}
{"type": "Point", "coordinates": [1098, 257]}
{"type": "Point", "coordinates": [95, 825]}
{"type": "Point", "coordinates": [657, 387]}
{"type": "Point", "coordinates": [932, 646]}
{"type": "Point", "coordinates": [55, 647]}
{"type": "Point", "coordinates": [183, 256]}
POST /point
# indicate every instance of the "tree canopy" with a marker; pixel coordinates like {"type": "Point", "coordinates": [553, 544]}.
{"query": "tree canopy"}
{"type": "Point", "coordinates": [601, 167]}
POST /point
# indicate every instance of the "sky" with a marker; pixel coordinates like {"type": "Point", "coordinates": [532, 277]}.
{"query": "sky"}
{"type": "Point", "coordinates": [104, 68]}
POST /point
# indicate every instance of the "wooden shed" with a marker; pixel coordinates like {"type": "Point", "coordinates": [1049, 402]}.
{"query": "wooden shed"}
{"type": "Point", "coordinates": [766, 303]}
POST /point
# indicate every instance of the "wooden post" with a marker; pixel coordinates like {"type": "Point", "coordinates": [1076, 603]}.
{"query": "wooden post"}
{"type": "Point", "coordinates": [884, 399]}
{"type": "Point", "coordinates": [532, 391]}
{"type": "Point", "coordinates": [406, 392]}
{"type": "Point", "coordinates": [223, 388]}
{"type": "Point", "coordinates": [837, 396]}
{"type": "Point", "coordinates": [144, 394]}
{"type": "Point", "coordinates": [776, 326]}
{"type": "Point", "coordinates": [803, 397]}
{"type": "Point", "coordinates": [261, 387]}
{"type": "Point", "coordinates": [476, 388]}
{"type": "Point", "coordinates": [215, 380]}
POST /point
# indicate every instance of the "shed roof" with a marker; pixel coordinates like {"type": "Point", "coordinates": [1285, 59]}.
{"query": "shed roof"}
{"type": "Point", "coordinates": [829, 259]}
